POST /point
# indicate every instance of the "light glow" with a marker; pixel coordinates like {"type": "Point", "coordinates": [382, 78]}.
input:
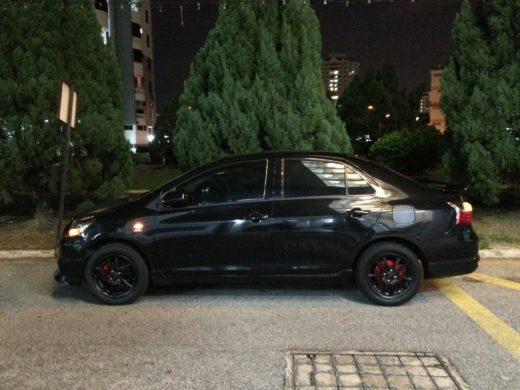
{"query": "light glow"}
{"type": "Point", "coordinates": [138, 227]}
{"type": "Point", "coordinates": [74, 232]}
{"type": "Point", "coordinates": [77, 228]}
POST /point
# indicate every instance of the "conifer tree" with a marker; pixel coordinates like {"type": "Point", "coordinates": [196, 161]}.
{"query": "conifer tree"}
{"type": "Point", "coordinates": [256, 85]}
{"type": "Point", "coordinates": [41, 44]}
{"type": "Point", "coordinates": [481, 97]}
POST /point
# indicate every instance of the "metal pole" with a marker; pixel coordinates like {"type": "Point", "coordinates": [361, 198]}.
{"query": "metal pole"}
{"type": "Point", "coordinates": [65, 167]}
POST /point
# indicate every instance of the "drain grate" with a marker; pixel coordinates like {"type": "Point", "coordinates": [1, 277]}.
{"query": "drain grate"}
{"type": "Point", "coordinates": [370, 370]}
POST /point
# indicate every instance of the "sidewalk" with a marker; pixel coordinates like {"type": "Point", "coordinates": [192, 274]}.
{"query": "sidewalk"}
{"type": "Point", "coordinates": [494, 253]}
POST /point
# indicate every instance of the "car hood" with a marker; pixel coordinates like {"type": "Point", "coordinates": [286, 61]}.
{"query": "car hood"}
{"type": "Point", "coordinates": [108, 208]}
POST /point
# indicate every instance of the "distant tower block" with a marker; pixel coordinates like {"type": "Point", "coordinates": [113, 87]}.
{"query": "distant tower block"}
{"type": "Point", "coordinates": [337, 73]}
{"type": "Point", "coordinates": [437, 118]}
{"type": "Point", "coordinates": [127, 24]}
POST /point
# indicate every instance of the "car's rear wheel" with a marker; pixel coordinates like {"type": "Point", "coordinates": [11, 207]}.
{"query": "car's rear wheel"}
{"type": "Point", "coordinates": [388, 274]}
{"type": "Point", "coordinates": [116, 274]}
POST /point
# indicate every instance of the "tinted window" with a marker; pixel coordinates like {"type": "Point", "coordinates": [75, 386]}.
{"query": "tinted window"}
{"type": "Point", "coordinates": [313, 178]}
{"type": "Point", "coordinates": [357, 185]}
{"type": "Point", "coordinates": [233, 183]}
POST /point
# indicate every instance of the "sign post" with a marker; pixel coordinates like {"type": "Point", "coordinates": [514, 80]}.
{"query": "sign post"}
{"type": "Point", "coordinates": [67, 114]}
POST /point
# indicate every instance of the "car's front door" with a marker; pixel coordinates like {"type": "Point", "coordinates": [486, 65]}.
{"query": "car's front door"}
{"type": "Point", "coordinates": [224, 230]}
{"type": "Point", "coordinates": [316, 221]}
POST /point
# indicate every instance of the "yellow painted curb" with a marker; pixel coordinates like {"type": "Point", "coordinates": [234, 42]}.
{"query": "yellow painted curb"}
{"type": "Point", "coordinates": [494, 280]}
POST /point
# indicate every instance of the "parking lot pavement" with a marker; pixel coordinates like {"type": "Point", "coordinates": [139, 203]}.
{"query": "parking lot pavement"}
{"type": "Point", "coordinates": [221, 337]}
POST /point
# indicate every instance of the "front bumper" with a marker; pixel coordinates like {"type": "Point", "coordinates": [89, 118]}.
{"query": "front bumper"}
{"type": "Point", "coordinates": [70, 262]}
{"type": "Point", "coordinates": [69, 272]}
{"type": "Point", "coordinates": [60, 277]}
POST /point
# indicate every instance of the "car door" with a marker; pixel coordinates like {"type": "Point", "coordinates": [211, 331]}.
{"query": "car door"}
{"type": "Point", "coordinates": [224, 230]}
{"type": "Point", "coordinates": [316, 222]}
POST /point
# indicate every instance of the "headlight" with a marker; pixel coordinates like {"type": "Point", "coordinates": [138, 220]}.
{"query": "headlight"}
{"type": "Point", "coordinates": [76, 229]}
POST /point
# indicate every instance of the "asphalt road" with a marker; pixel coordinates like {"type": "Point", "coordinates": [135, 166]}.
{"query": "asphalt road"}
{"type": "Point", "coordinates": [207, 337]}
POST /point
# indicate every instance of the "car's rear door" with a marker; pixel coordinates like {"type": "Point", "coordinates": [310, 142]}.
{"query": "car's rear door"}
{"type": "Point", "coordinates": [316, 222]}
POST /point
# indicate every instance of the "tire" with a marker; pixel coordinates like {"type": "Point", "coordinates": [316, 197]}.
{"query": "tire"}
{"type": "Point", "coordinates": [388, 274]}
{"type": "Point", "coordinates": [116, 274]}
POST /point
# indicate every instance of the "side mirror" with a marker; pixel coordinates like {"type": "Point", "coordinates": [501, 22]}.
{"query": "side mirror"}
{"type": "Point", "coordinates": [177, 198]}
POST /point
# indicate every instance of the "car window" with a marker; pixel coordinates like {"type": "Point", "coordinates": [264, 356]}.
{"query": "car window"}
{"type": "Point", "coordinates": [313, 178]}
{"type": "Point", "coordinates": [233, 183]}
{"type": "Point", "coordinates": [357, 185]}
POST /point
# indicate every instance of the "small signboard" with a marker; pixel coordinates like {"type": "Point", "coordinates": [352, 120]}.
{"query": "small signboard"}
{"type": "Point", "coordinates": [66, 114]}
{"type": "Point", "coordinates": [68, 105]}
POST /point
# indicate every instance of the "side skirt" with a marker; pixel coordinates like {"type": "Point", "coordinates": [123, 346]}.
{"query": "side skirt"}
{"type": "Point", "coordinates": [343, 277]}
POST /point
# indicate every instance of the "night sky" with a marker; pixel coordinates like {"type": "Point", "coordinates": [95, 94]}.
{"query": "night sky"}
{"type": "Point", "coordinates": [415, 36]}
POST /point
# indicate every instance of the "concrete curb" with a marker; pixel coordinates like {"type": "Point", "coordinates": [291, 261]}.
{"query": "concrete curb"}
{"type": "Point", "coordinates": [500, 253]}
{"type": "Point", "coordinates": [21, 254]}
{"type": "Point", "coordinates": [49, 253]}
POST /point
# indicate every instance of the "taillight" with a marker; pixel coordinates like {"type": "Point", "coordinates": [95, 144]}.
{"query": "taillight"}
{"type": "Point", "coordinates": [464, 215]}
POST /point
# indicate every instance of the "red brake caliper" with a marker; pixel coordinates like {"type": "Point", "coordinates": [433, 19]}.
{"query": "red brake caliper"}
{"type": "Point", "coordinates": [381, 266]}
{"type": "Point", "coordinates": [105, 268]}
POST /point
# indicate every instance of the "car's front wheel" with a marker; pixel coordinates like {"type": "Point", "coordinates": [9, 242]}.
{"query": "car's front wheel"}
{"type": "Point", "coordinates": [388, 274]}
{"type": "Point", "coordinates": [116, 274]}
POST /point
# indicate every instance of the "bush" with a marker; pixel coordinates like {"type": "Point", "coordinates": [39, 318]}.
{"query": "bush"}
{"type": "Point", "coordinates": [409, 152]}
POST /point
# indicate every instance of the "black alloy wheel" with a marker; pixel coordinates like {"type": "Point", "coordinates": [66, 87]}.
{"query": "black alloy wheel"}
{"type": "Point", "coordinates": [389, 274]}
{"type": "Point", "coordinates": [116, 274]}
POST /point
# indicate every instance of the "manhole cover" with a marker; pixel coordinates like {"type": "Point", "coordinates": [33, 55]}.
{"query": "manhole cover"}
{"type": "Point", "coordinates": [370, 370]}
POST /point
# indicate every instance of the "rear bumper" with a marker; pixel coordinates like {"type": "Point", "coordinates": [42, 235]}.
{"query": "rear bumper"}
{"type": "Point", "coordinates": [452, 268]}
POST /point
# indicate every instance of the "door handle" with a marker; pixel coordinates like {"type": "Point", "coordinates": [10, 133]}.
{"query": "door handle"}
{"type": "Point", "coordinates": [256, 217]}
{"type": "Point", "coordinates": [356, 212]}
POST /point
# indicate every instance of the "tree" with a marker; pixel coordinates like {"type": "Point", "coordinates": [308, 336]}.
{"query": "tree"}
{"type": "Point", "coordinates": [42, 43]}
{"type": "Point", "coordinates": [481, 98]}
{"type": "Point", "coordinates": [256, 85]}
{"type": "Point", "coordinates": [161, 148]}
{"type": "Point", "coordinates": [375, 105]}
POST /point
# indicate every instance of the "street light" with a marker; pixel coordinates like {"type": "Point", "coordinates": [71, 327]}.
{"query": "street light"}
{"type": "Point", "coordinates": [370, 108]}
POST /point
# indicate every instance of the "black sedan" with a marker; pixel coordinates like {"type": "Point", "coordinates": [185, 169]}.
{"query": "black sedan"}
{"type": "Point", "coordinates": [311, 216]}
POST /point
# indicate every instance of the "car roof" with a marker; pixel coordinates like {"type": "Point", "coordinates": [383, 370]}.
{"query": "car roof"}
{"type": "Point", "coordinates": [282, 154]}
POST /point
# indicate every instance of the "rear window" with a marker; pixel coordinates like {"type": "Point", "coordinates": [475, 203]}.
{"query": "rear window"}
{"type": "Point", "coordinates": [322, 178]}
{"type": "Point", "coordinates": [389, 176]}
{"type": "Point", "coordinates": [313, 178]}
